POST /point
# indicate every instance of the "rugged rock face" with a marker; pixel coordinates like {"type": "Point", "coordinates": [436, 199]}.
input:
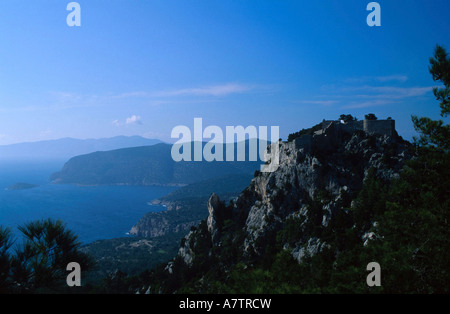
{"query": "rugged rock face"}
{"type": "Point", "coordinates": [186, 206]}
{"type": "Point", "coordinates": [329, 167]}
{"type": "Point", "coordinates": [214, 207]}
{"type": "Point", "coordinates": [173, 220]}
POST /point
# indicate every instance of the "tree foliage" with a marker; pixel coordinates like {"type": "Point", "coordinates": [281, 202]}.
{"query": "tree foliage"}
{"type": "Point", "coordinates": [434, 133]}
{"type": "Point", "coordinates": [370, 116]}
{"type": "Point", "coordinates": [39, 263]}
{"type": "Point", "coordinates": [347, 118]}
{"type": "Point", "coordinates": [440, 70]}
{"type": "Point", "coordinates": [5, 258]}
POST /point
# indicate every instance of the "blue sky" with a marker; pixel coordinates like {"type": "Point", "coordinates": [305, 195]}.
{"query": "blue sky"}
{"type": "Point", "coordinates": [139, 67]}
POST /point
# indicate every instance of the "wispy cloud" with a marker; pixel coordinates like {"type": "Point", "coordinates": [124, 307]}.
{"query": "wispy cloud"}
{"type": "Point", "coordinates": [213, 90]}
{"type": "Point", "coordinates": [380, 79]}
{"type": "Point", "coordinates": [62, 100]}
{"type": "Point", "coordinates": [352, 96]}
{"type": "Point", "coordinates": [390, 78]}
{"type": "Point", "coordinates": [135, 94]}
{"type": "Point", "coordinates": [216, 90]}
{"type": "Point", "coordinates": [52, 101]}
{"type": "Point", "coordinates": [117, 123]}
{"type": "Point", "coordinates": [319, 102]}
{"type": "Point", "coordinates": [390, 92]}
{"type": "Point", "coordinates": [369, 103]}
{"type": "Point", "coordinates": [133, 120]}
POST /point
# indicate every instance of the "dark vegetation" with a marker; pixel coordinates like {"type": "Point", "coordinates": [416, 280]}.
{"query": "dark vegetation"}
{"type": "Point", "coordinates": [38, 264]}
{"type": "Point", "coordinates": [370, 116]}
{"type": "Point", "coordinates": [347, 118]}
{"type": "Point", "coordinates": [129, 256]}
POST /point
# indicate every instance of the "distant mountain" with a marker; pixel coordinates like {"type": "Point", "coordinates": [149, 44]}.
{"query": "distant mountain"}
{"type": "Point", "coordinates": [146, 165]}
{"type": "Point", "coordinates": [66, 148]}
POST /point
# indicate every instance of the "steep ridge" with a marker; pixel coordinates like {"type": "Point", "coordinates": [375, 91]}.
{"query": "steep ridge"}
{"type": "Point", "coordinates": [293, 209]}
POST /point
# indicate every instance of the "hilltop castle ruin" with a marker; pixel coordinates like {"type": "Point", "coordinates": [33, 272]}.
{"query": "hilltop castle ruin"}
{"type": "Point", "coordinates": [380, 127]}
{"type": "Point", "coordinates": [331, 131]}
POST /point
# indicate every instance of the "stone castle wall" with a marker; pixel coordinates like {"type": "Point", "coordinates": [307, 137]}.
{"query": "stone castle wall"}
{"type": "Point", "coordinates": [329, 135]}
{"type": "Point", "coordinates": [382, 127]}
{"type": "Point", "coordinates": [352, 126]}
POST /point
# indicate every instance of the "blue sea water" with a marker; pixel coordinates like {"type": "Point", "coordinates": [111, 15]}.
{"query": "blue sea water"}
{"type": "Point", "coordinates": [91, 212]}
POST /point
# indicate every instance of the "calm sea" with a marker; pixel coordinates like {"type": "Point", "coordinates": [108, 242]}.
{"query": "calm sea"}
{"type": "Point", "coordinates": [92, 212]}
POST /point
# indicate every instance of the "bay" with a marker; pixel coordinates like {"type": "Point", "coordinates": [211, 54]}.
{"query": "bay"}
{"type": "Point", "coordinates": [91, 212]}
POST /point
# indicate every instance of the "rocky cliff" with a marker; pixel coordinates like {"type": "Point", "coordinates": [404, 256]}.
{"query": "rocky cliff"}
{"type": "Point", "coordinates": [186, 206]}
{"type": "Point", "coordinates": [317, 177]}
{"type": "Point", "coordinates": [178, 217]}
